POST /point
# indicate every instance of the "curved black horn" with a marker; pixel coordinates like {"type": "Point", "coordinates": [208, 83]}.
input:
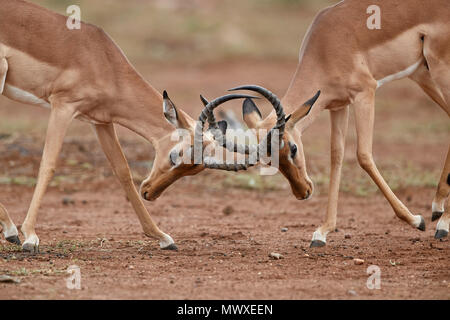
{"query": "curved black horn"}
{"type": "Point", "coordinates": [208, 114]}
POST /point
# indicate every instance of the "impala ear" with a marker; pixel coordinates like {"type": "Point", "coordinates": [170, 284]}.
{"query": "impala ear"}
{"type": "Point", "coordinates": [178, 118]}
{"type": "Point", "coordinates": [304, 110]}
{"type": "Point", "coordinates": [223, 125]}
{"type": "Point", "coordinates": [251, 114]}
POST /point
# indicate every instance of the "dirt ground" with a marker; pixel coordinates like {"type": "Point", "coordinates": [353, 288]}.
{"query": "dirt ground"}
{"type": "Point", "coordinates": [225, 226]}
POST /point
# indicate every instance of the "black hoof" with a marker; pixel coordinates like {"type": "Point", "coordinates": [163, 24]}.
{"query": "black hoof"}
{"type": "Point", "coordinates": [441, 234]}
{"type": "Point", "coordinates": [171, 247]}
{"type": "Point", "coordinates": [14, 239]}
{"type": "Point", "coordinates": [421, 226]}
{"type": "Point", "coordinates": [317, 244]}
{"type": "Point", "coordinates": [436, 215]}
{"type": "Point", "coordinates": [31, 248]}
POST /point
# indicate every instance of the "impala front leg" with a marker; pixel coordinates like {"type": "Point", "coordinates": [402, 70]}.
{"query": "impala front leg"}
{"type": "Point", "coordinates": [111, 147]}
{"type": "Point", "coordinates": [364, 120]}
{"type": "Point", "coordinates": [9, 228]}
{"type": "Point", "coordinates": [60, 118]}
{"type": "Point", "coordinates": [339, 125]}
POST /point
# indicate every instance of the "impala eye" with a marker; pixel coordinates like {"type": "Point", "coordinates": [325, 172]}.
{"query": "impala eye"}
{"type": "Point", "coordinates": [293, 148]}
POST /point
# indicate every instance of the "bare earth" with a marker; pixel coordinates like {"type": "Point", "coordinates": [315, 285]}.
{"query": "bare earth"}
{"type": "Point", "coordinates": [225, 234]}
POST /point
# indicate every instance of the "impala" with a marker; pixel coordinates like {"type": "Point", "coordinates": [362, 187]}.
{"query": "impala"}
{"type": "Point", "coordinates": [82, 74]}
{"type": "Point", "coordinates": [348, 61]}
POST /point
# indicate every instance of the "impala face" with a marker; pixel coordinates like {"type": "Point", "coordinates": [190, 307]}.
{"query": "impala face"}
{"type": "Point", "coordinates": [293, 166]}
{"type": "Point", "coordinates": [291, 157]}
{"type": "Point", "coordinates": [174, 153]}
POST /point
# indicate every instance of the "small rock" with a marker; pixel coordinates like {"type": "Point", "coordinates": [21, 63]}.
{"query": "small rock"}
{"type": "Point", "coordinates": [276, 256]}
{"type": "Point", "coordinates": [66, 201]}
{"type": "Point", "coordinates": [228, 210]}
{"type": "Point", "coordinates": [348, 236]}
{"type": "Point", "coordinates": [352, 293]}
{"type": "Point", "coordinates": [358, 261]}
{"type": "Point", "coordinates": [284, 229]}
{"type": "Point", "coordinates": [8, 279]}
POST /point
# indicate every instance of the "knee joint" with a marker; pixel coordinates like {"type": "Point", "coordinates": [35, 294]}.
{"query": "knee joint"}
{"type": "Point", "coordinates": [365, 160]}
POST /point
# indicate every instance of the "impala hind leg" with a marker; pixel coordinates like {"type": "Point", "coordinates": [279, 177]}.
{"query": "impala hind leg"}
{"type": "Point", "coordinates": [438, 60]}
{"type": "Point", "coordinates": [442, 227]}
{"type": "Point", "coordinates": [60, 118]}
{"type": "Point", "coordinates": [443, 190]}
{"type": "Point", "coordinates": [3, 72]}
{"type": "Point", "coordinates": [9, 229]}
{"type": "Point", "coordinates": [424, 79]}
{"type": "Point", "coordinates": [111, 147]}
{"type": "Point", "coordinates": [339, 125]}
{"type": "Point", "coordinates": [364, 120]}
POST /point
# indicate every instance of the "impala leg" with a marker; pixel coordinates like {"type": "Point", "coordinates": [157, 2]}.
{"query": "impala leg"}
{"type": "Point", "coordinates": [3, 72]}
{"type": "Point", "coordinates": [60, 119]}
{"type": "Point", "coordinates": [364, 119]}
{"type": "Point", "coordinates": [111, 147]}
{"type": "Point", "coordinates": [423, 78]}
{"type": "Point", "coordinates": [339, 125]}
{"type": "Point", "coordinates": [9, 229]}
{"type": "Point", "coordinates": [443, 190]}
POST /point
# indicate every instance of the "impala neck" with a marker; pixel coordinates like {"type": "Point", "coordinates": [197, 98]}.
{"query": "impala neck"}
{"type": "Point", "coordinates": [139, 107]}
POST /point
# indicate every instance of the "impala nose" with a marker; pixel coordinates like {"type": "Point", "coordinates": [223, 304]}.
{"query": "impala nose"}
{"type": "Point", "coordinates": [308, 194]}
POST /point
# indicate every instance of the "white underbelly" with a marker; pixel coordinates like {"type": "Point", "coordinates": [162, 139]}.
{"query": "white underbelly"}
{"type": "Point", "coordinates": [399, 75]}
{"type": "Point", "coordinates": [22, 96]}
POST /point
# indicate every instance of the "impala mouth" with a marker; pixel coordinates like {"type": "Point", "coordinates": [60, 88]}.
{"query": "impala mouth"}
{"type": "Point", "coordinates": [152, 196]}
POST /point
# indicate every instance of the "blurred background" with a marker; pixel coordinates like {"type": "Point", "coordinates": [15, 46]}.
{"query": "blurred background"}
{"type": "Point", "coordinates": [190, 47]}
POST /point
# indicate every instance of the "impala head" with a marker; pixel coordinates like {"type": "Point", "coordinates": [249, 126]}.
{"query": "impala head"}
{"type": "Point", "coordinates": [291, 157]}
{"type": "Point", "coordinates": [175, 151]}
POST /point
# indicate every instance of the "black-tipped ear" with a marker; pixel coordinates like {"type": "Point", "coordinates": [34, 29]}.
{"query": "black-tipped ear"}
{"type": "Point", "coordinates": [313, 100]}
{"type": "Point", "coordinates": [252, 115]}
{"type": "Point", "coordinates": [249, 107]}
{"type": "Point", "coordinates": [223, 125]}
{"type": "Point", "coordinates": [204, 101]}
{"type": "Point", "coordinates": [304, 110]}
{"type": "Point", "coordinates": [170, 111]}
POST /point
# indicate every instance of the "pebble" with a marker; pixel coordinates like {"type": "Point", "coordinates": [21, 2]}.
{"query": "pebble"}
{"type": "Point", "coordinates": [66, 201]}
{"type": "Point", "coordinates": [284, 229]}
{"type": "Point", "coordinates": [228, 210]}
{"type": "Point", "coordinates": [276, 256]}
{"type": "Point", "coordinates": [358, 261]}
{"type": "Point", "coordinates": [352, 292]}
{"type": "Point", "coordinates": [348, 236]}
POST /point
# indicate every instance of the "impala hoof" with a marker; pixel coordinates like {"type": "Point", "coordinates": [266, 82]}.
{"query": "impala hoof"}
{"type": "Point", "coordinates": [421, 226]}
{"type": "Point", "coordinates": [441, 234]}
{"type": "Point", "coordinates": [172, 247]}
{"type": "Point", "coordinates": [30, 247]}
{"type": "Point", "coordinates": [14, 239]}
{"type": "Point", "coordinates": [436, 215]}
{"type": "Point", "coordinates": [317, 244]}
